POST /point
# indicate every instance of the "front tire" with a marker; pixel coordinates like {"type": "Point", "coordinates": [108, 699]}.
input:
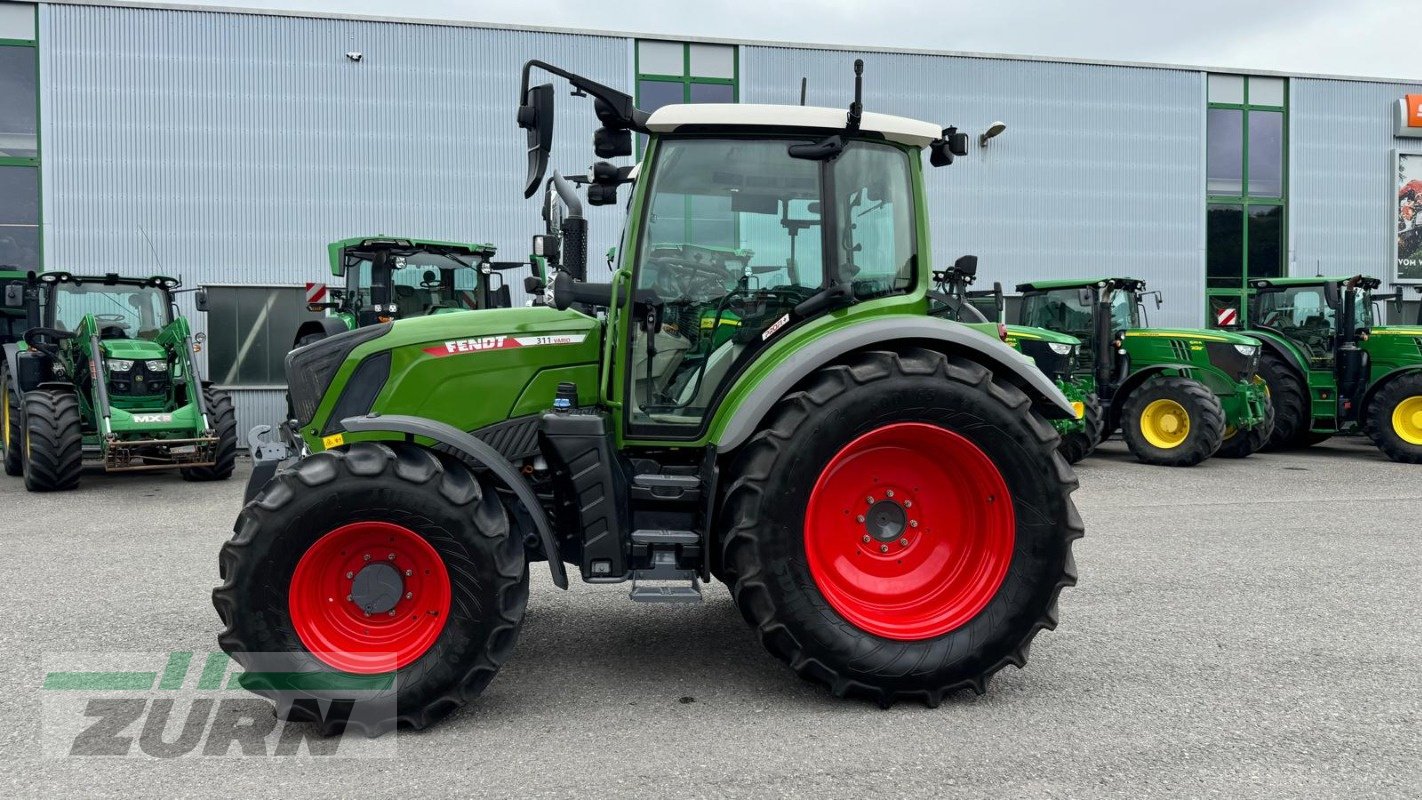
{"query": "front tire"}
{"type": "Point", "coordinates": [936, 441]}
{"type": "Point", "coordinates": [53, 456]}
{"type": "Point", "coordinates": [11, 428]}
{"type": "Point", "coordinates": [1242, 444]}
{"type": "Point", "coordinates": [1077, 445]}
{"type": "Point", "coordinates": [460, 582]}
{"type": "Point", "coordinates": [1394, 421]}
{"type": "Point", "coordinates": [223, 417]}
{"type": "Point", "coordinates": [1170, 421]}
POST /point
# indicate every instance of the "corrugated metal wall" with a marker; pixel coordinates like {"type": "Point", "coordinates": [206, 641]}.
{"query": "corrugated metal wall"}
{"type": "Point", "coordinates": [1341, 200]}
{"type": "Point", "coordinates": [1100, 170]}
{"type": "Point", "coordinates": [242, 144]}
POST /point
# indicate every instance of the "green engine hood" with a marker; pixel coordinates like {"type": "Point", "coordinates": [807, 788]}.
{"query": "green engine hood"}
{"type": "Point", "coordinates": [133, 349]}
{"type": "Point", "coordinates": [1197, 334]}
{"type": "Point", "coordinates": [1024, 332]}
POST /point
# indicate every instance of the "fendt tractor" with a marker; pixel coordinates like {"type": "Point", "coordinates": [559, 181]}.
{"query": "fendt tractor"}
{"type": "Point", "coordinates": [1331, 369]}
{"type": "Point", "coordinates": [1054, 353]}
{"type": "Point", "coordinates": [389, 278]}
{"type": "Point", "coordinates": [879, 488]}
{"type": "Point", "coordinates": [108, 375]}
{"type": "Point", "coordinates": [20, 312]}
{"type": "Point", "coordinates": [1178, 395]}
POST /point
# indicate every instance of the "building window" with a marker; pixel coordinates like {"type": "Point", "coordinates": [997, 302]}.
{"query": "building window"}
{"type": "Point", "coordinates": [20, 244]}
{"type": "Point", "coordinates": [669, 73]}
{"type": "Point", "coordinates": [1246, 180]}
{"type": "Point", "coordinates": [249, 331]}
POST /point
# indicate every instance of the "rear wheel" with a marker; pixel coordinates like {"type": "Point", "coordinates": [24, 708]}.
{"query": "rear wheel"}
{"type": "Point", "coordinates": [53, 441]}
{"type": "Point", "coordinates": [223, 417]}
{"type": "Point", "coordinates": [1171, 421]}
{"type": "Point", "coordinates": [379, 560]}
{"type": "Point", "coordinates": [1394, 420]}
{"type": "Point", "coordinates": [867, 534]}
{"type": "Point", "coordinates": [1077, 445]}
{"type": "Point", "coordinates": [11, 428]}
{"type": "Point", "coordinates": [1289, 396]}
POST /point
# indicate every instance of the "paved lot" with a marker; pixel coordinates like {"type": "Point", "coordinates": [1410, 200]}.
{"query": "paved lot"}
{"type": "Point", "coordinates": [1240, 629]}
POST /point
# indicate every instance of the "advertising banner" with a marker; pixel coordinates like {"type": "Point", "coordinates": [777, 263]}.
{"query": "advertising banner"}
{"type": "Point", "coordinates": [1407, 212]}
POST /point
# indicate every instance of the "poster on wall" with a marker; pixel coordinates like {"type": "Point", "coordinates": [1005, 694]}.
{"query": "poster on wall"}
{"type": "Point", "coordinates": [1407, 214]}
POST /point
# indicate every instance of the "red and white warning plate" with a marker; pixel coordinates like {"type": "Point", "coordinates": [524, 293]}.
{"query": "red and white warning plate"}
{"type": "Point", "coordinates": [315, 293]}
{"type": "Point", "coordinates": [479, 344]}
{"type": "Point", "coordinates": [1226, 317]}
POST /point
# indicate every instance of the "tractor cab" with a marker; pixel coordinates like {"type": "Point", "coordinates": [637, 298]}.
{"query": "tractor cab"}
{"type": "Point", "coordinates": [1316, 314]}
{"type": "Point", "coordinates": [1098, 312]}
{"type": "Point", "coordinates": [20, 309]}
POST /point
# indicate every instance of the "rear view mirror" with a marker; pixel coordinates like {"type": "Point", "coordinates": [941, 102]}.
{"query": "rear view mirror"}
{"type": "Point", "coordinates": [536, 117]}
{"type": "Point", "coordinates": [1083, 298]}
{"type": "Point", "coordinates": [743, 203]}
{"type": "Point", "coordinates": [200, 299]}
{"type": "Point", "coordinates": [967, 266]}
{"type": "Point", "coordinates": [1330, 294]}
{"type": "Point", "coordinates": [14, 295]}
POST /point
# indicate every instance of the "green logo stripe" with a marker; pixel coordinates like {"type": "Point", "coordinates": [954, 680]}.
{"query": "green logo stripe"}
{"type": "Point", "coordinates": [101, 681]}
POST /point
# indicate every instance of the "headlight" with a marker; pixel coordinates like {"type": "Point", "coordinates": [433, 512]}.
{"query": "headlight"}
{"type": "Point", "coordinates": [1060, 349]}
{"type": "Point", "coordinates": [156, 366]}
{"type": "Point", "coordinates": [119, 364]}
{"type": "Point", "coordinates": [1245, 349]}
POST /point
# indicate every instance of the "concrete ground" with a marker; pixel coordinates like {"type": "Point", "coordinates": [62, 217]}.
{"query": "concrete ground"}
{"type": "Point", "coordinates": [1241, 629]}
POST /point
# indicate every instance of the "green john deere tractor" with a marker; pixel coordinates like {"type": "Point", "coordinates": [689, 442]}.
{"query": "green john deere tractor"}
{"type": "Point", "coordinates": [1054, 353]}
{"type": "Point", "coordinates": [395, 278]}
{"type": "Point", "coordinates": [1178, 396]}
{"type": "Point", "coordinates": [1331, 369]}
{"type": "Point", "coordinates": [858, 532]}
{"type": "Point", "coordinates": [108, 374]}
{"type": "Point", "coordinates": [20, 312]}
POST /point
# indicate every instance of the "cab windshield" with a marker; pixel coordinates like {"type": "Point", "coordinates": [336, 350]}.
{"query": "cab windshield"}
{"type": "Point", "coordinates": [121, 310]}
{"type": "Point", "coordinates": [1303, 314]}
{"type": "Point", "coordinates": [1064, 310]}
{"type": "Point", "coordinates": [420, 283]}
{"type": "Point", "coordinates": [734, 236]}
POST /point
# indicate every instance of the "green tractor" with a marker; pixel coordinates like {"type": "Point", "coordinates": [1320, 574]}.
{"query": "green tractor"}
{"type": "Point", "coordinates": [20, 312]}
{"type": "Point", "coordinates": [394, 278]}
{"type": "Point", "coordinates": [880, 488]}
{"type": "Point", "coordinates": [1331, 369]}
{"type": "Point", "coordinates": [108, 375]}
{"type": "Point", "coordinates": [1178, 396]}
{"type": "Point", "coordinates": [1054, 353]}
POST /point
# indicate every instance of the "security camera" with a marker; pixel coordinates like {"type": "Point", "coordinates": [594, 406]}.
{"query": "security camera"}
{"type": "Point", "coordinates": [355, 56]}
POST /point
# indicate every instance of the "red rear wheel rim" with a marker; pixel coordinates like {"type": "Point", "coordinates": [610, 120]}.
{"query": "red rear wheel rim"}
{"type": "Point", "coordinates": [939, 525]}
{"type": "Point", "coordinates": [398, 576]}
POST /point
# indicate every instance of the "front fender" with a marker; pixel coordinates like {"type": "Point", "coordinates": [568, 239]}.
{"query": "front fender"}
{"type": "Point", "coordinates": [476, 452]}
{"type": "Point", "coordinates": [736, 424]}
{"type": "Point", "coordinates": [1378, 384]}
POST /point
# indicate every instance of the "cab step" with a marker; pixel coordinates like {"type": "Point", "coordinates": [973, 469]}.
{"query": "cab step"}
{"type": "Point", "coordinates": [668, 582]}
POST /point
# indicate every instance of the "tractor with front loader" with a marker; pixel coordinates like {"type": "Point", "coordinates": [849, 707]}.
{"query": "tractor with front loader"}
{"type": "Point", "coordinates": [388, 278]}
{"type": "Point", "coordinates": [108, 376]}
{"type": "Point", "coordinates": [1054, 353]}
{"type": "Point", "coordinates": [1178, 395]}
{"type": "Point", "coordinates": [879, 488]}
{"type": "Point", "coordinates": [1332, 369]}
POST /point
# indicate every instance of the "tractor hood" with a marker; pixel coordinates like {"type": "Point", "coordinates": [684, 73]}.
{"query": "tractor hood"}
{"type": "Point", "coordinates": [133, 349]}
{"type": "Point", "coordinates": [1397, 330]}
{"type": "Point", "coordinates": [1026, 333]}
{"type": "Point", "coordinates": [1197, 334]}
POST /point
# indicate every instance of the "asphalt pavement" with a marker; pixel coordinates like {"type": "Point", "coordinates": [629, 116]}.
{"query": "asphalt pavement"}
{"type": "Point", "coordinates": [1241, 629]}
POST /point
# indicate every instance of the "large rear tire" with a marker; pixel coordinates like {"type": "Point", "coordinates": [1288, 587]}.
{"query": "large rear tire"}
{"type": "Point", "coordinates": [53, 455]}
{"type": "Point", "coordinates": [11, 427]}
{"type": "Point", "coordinates": [292, 583]}
{"type": "Point", "coordinates": [1289, 396]}
{"type": "Point", "coordinates": [1171, 421]}
{"type": "Point", "coordinates": [223, 416]}
{"type": "Point", "coordinates": [1077, 445]}
{"type": "Point", "coordinates": [1394, 419]}
{"type": "Point", "coordinates": [971, 519]}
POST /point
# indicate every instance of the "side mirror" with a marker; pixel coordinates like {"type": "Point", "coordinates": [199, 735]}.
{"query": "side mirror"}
{"type": "Point", "coordinates": [536, 117]}
{"type": "Point", "coordinates": [1331, 295]}
{"type": "Point", "coordinates": [967, 266]}
{"type": "Point", "coordinates": [15, 295]}
{"type": "Point", "coordinates": [1083, 298]}
{"type": "Point", "coordinates": [547, 247]}
{"type": "Point", "coordinates": [200, 300]}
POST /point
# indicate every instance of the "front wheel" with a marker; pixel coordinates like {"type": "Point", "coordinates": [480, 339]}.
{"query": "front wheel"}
{"type": "Point", "coordinates": [384, 561]}
{"type": "Point", "coordinates": [1394, 420]}
{"type": "Point", "coordinates": [896, 550]}
{"type": "Point", "coordinates": [1243, 443]}
{"type": "Point", "coordinates": [223, 418]}
{"type": "Point", "coordinates": [12, 431]}
{"type": "Point", "coordinates": [53, 447]}
{"type": "Point", "coordinates": [1079, 444]}
{"type": "Point", "coordinates": [1171, 421]}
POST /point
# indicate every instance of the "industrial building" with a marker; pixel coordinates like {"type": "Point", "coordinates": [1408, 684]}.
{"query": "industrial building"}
{"type": "Point", "coordinates": [227, 147]}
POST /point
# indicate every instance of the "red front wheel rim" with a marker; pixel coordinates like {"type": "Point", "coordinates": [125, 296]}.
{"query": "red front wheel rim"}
{"type": "Point", "coordinates": [909, 531]}
{"type": "Point", "coordinates": [369, 597]}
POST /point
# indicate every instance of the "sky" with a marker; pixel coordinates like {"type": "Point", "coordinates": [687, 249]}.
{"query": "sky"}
{"type": "Point", "coordinates": [1373, 38]}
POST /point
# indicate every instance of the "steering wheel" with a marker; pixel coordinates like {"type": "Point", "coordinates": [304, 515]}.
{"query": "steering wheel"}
{"type": "Point", "coordinates": [681, 277]}
{"type": "Point", "coordinates": [113, 321]}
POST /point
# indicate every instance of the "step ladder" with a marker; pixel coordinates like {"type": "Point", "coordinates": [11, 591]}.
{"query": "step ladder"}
{"type": "Point", "coordinates": [665, 582]}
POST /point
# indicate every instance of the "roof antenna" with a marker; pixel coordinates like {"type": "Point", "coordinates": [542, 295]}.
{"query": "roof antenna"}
{"type": "Point", "coordinates": [803, 83]}
{"type": "Point", "coordinates": [856, 109]}
{"type": "Point", "coordinates": [152, 249]}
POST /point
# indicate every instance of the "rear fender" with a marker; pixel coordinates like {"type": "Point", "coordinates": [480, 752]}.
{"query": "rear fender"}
{"type": "Point", "coordinates": [479, 454]}
{"type": "Point", "coordinates": [1378, 384]}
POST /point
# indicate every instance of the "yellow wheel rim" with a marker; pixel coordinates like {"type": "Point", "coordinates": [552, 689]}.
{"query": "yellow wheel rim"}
{"type": "Point", "coordinates": [5, 435]}
{"type": "Point", "coordinates": [1407, 420]}
{"type": "Point", "coordinates": [1165, 424]}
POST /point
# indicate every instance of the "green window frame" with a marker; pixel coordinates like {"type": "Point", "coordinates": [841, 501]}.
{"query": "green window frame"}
{"type": "Point", "coordinates": [32, 45]}
{"type": "Point", "coordinates": [1229, 239]}
{"type": "Point", "coordinates": [687, 79]}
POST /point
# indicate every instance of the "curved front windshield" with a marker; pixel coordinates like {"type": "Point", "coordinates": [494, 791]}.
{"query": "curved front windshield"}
{"type": "Point", "coordinates": [1303, 314]}
{"type": "Point", "coordinates": [1065, 310]}
{"type": "Point", "coordinates": [1125, 310]}
{"type": "Point", "coordinates": [121, 310]}
{"type": "Point", "coordinates": [734, 237]}
{"type": "Point", "coordinates": [420, 283]}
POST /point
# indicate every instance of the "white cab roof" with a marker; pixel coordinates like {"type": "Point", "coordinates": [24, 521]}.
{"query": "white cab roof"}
{"type": "Point", "coordinates": [896, 129]}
